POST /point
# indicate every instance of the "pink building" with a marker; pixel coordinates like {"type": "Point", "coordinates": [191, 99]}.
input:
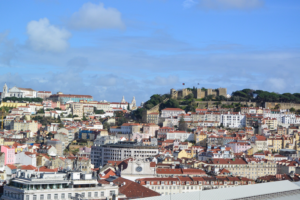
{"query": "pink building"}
{"type": "Point", "coordinates": [239, 147]}
{"type": "Point", "coordinates": [9, 152]}
{"type": "Point", "coordinates": [151, 129]}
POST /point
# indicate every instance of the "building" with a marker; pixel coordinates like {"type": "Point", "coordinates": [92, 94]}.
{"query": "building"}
{"type": "Point", "coordinates": [9, 152]}
{"type": "Point", "coordinates": [18, 92]}
{"type": "Point", "coordinates": [44, 94]}
{"type": "Point", "coordinates": [171, 112]}
{"type": "Point", "coordinates": [153, 117]}
{"type": "Point", "coordinates": [233, 120]}
{"type": "Point", "coordinates": [64, 98]}
{"type": "Point", "coordinates": [239, 147]}
{"type": "Point", "coordinates": [270, 122]}
{"type": "Point", "coordinates": [77, 109]}
{"type": "Point", "coordinates": [71, 185]}
{"type": "Point", "coordinates": [23, 125]}
{"type": "Point", "coordinates": [273, 190]}
{"type": "Point", "coordinates": [198, 93]}
{"type": "Point", "coordinates": [101, 154]}
{"type": "Point", "coordinates": [181, 184]}
{"type": "Point", "coordinates": [180, 135]}
{"type": "Point", "coordinates": [57, 144]}
{"type": "Point", "coordinates": [249, 168]}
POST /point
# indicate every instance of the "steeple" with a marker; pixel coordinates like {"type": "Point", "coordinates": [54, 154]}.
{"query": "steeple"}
{"type": "Point", "coordinates": [123, 100]}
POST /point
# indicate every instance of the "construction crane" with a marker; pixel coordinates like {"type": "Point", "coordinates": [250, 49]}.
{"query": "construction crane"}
{"type": "Point", "coordinates": [3, 111]}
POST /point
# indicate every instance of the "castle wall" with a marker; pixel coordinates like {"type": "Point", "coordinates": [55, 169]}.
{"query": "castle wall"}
{"type": "Point", "coordinates": [282, 105]}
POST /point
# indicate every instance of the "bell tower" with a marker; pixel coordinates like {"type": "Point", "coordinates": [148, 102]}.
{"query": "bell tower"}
{"type": "Point", "coordinates": [4, 93]}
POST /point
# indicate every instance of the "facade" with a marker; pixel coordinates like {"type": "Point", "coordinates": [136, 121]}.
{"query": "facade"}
{"type": "Point", "coordinates": [77, 109]}
{"type": "Point", "coordinates": [249, 168]}
{"type": "Point", "coordinates": [9, 152]}
{"type": "Point", "coordinates": [18, 92]}
{"type": "Point", "coordinates": [233, 120]}
{"type": "Point", "coordinates": [23, 125]}
{"type": "Point", "coordinates": [152, 117]}
{"type": "Point", "coordinates": [26, 158]}
{"type": "Point", "coordinates": [239, 147]}
{"type": "Point", "coordinates": [72, 185]}
{"type": "Point", "coordinates": [44, 94]}
{"type": "Point", "coordinates": [180, 135]}
{"type": "Point", "coordinates": [101, 154]}
{"type": "Point", "coordinates": [57, 144]}
{"type": "Point", "coordinates": [64, 98]}
{"type": "Point", "coordinates": [171, 112]}
{"type": "Point", "coordinates": [181, 184]}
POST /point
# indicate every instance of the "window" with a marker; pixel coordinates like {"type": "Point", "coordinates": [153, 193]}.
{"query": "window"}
{"type": "Point", "coordinates": [48, 196]}
{"type": "Point", "coordinates": [95, 194]}
{"type": "Point", "coordinates": [27, 197]}
{"type": "Point", "coordinates": [63, 195]}
{"type": "Point", "coordinates": [83, 194]}
{"type": "Point", "coordinates": [34, 197]}
{"type": "Point", "coordinates": [102, 194]}
{"type": "Point", "coordinates": [41, 197]}
{"type": "Point", "coordinates": [89, 194]}
{"type": "Point", "coordinates": [69, 195]}
{"type": "Point", "coordinates": [111, 193]}
{"type": "Point", "coordinates": [55, 196]}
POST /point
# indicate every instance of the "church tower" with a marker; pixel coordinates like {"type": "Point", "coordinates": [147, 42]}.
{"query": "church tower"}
{"type": "Point", "coordinates": [4, 93]}
{"type": "Point", "coordinates": [133, 104]}
{"type": "Point", "coordinates": [123, 100]}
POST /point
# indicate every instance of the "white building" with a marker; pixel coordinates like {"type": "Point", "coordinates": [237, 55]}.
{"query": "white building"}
{"type": "Point", "coordinates": [101, 154]}
{"type": "Point", "coordinates": [233, 120]}
{"type": "Point", "coordinates": [18, 92]}
{"type": "Point", "coordinates": [171, 112]}
{"type": "Point", "coordinates": [180, 135]}
{"type": "Point", "coordinates": [71, 185]}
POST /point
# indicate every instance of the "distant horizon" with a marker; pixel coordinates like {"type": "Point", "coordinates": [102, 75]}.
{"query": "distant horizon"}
{"type": "Point", "coordinates": [109, 49]}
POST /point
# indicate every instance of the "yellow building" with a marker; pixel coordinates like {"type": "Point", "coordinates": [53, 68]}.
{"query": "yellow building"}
{"type": "Point", "coordinates": [274, 144]}
{"type": "Point", "coordinates": [12, 105]}
{"type": "Point", "coordinates": [186, 153]}
{"type": "Point", "coordinates": [1, 141]}
{"type": "Point", "coordinates": [271, 123]}
{"type": "Point", "coordinates": [200, 138]}
{"type": "Point", "coordinates": [23, 125]}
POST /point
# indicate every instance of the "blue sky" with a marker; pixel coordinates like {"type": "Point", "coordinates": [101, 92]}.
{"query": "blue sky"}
{"type": "Point", "coordinates": [142, 47]}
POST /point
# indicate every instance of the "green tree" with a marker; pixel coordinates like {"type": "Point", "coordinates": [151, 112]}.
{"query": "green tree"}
{"type": "Point", "coordinates": [292, 109]}
{"type": "Point", "coordinates": [182, 125]}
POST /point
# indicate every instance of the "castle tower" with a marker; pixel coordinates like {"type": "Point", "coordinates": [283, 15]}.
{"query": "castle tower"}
{"type": "Point", "coordinates": [123, 100]}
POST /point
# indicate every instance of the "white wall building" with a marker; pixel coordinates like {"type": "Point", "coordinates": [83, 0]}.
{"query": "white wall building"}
{"type": "Point", "coordinates": [233, 120]}
{"type": "Point", "coordinates": [171, 112]}
{"type": "Point", "coordinates": [180, 135]}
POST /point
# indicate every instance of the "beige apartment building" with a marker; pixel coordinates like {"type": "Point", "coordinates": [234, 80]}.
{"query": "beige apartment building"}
{"type": "Point", "coordinates": [23, 125]}
{"type": "Point", "coordinates": [271, 123]}
{"type": "Point", "coordinates": [249, 168]}
{"type": "Point", "coordinates": [77, 109]}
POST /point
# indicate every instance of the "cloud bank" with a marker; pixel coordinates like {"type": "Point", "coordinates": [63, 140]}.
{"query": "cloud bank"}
{"type": "Point", "coordinates": [93, 16]}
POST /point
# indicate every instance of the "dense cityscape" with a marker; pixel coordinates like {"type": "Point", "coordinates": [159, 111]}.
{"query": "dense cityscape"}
{"type": "Point", "coordinates": [68, 146]}
{"type": "Point", "coordinates": [149, 100]}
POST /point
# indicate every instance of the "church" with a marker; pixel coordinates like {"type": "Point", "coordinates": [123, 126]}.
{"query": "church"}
{"type": "Point", "coordinates": [18, 92]}
{"type": "Point", "coordinates": [124, 104]}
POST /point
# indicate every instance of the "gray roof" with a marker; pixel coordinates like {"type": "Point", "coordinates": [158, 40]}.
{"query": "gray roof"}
{"type": "Point", "coordinates": [234, 192]}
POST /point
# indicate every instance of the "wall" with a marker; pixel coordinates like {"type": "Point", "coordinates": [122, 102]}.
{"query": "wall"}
{"type": "Point", "coordinates": [282, 105]}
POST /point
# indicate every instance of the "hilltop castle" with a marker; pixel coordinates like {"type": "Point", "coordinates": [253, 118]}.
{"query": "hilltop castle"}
{"type": "Point", "coordinates": [198, 92]}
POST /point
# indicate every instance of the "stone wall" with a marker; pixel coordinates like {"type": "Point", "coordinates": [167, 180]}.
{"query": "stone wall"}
{"type": "Point", "coordinates": [282, 105]}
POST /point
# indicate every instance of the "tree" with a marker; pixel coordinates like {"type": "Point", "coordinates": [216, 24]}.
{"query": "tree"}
{"type": "Point", "coordinates": [106, 125]}
{"type": "Point", "coordinates": [84, 118]}
{"type": "Point", "coordinates": [292, 109]}
{"type": "Point", "coordinates": [277, 106]}
{"type": "Point", "coordinates": [182, 125]}
{"type": "Point", "coordinates": [189, 96]}
{"type": "Point", "coordinates": [75, 116]}
{"type": "Point", "coordinates": [41, 110]}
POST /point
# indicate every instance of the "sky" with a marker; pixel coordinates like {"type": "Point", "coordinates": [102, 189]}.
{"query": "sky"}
{"type": "Point", "coordinates": [114, 48]}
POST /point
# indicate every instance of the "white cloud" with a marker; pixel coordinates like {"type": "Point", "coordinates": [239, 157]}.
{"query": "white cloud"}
{"type": "Point", "coordinates": [42, 36]}
{"type": "Point", "coordinates": [92, 16]}
{"type": "Point", "coordinates": [189, 3]}
{"type": "Point", "coordinates": [230, 4]}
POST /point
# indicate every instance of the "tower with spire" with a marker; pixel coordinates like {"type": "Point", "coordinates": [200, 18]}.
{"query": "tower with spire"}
{"type": "Point", "coordinates": [123, 100]}
{"type": "Point", "coordinates": [5, 91]}
{"type": "Point", "coordinates": [133, 104]}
